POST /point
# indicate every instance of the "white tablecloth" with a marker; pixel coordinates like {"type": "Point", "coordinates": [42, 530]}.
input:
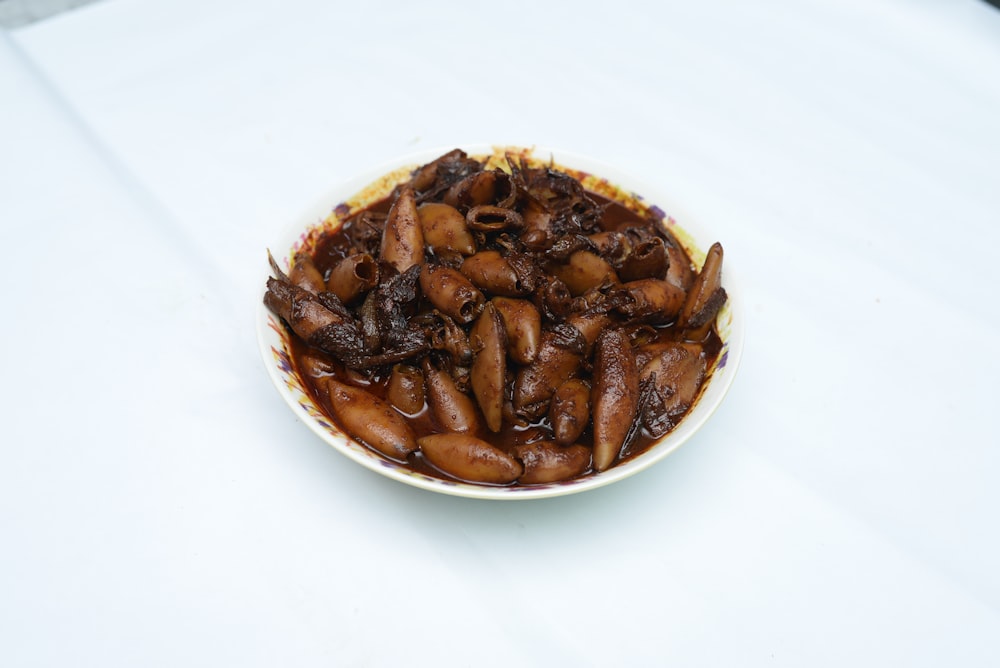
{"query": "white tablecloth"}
{"type": "Point", "coordinates": [160, 506]}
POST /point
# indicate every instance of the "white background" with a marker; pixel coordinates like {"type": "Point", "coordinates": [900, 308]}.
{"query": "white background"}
{"type": "Point", "coordinates": [160, 506]}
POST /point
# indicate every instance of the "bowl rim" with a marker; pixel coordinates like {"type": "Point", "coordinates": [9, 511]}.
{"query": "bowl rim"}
{"type": "Point", "coordinates": [709, 400]}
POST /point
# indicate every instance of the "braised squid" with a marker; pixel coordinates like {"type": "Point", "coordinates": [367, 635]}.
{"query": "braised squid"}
{"type": "Point", "coordinates": [501, 326]}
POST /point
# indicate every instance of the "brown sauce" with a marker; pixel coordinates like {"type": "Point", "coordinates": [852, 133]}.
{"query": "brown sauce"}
{"type": "Point", "coordinates": [331, 247]}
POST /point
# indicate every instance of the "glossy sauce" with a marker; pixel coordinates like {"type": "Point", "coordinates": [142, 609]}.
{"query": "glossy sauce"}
{"type": "Point", "coordinates": [330, 249]}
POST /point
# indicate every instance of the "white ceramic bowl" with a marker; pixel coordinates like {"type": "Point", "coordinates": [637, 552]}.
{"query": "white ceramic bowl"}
{"type": "Point", "coordinates": [375, 184]}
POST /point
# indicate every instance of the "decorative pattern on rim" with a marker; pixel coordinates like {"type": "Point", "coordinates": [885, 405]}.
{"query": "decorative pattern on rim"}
{"type": "Point", "coordinates": [378, 190]}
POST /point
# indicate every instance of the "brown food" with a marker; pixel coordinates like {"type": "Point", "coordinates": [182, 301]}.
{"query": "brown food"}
{"type": "Point", "coordinates": [614, 396]}
{"type": "Point", "coordinates": [470, 458]}
{"type": "Point", "coordinates": [501, 326]}
{"type": "Point", "coordinates": [545, 461]}
{"type": "Point", "coordinates": [489, 365]}
{"type": "Point", "coordinates": [569, 411]}
{"type": "Point", "coordinates": [371, 420]}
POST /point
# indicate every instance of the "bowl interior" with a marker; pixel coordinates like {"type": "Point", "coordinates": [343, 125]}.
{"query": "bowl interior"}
{"type": "Point", "coordinates": [377, 183]}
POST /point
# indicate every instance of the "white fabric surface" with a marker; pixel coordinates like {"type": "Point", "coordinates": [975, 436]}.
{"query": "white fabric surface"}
{"type": "Point", "coordinates": [160, 506]}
